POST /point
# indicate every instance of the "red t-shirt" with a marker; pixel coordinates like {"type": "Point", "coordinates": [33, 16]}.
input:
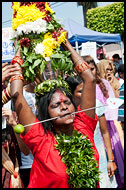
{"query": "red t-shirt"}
{"type": "Point", "coordinates": [48, 171]}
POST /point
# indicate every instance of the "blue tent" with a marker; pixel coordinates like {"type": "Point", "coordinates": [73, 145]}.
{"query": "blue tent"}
{"type": "Point", "coordinates": [80, 34]}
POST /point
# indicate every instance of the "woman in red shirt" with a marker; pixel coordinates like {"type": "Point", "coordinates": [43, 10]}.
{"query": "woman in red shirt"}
{"type": "Point", "coordinates": [48, 171]}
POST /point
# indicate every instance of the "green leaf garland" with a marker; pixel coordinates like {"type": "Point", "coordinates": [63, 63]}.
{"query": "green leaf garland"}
{"type": "Point", "coordinates": [48, 85]}
{"type": "Point", "coordinates": [77, 154]}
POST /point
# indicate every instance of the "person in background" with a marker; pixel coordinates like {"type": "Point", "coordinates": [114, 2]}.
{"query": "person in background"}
{"type": "Point", "coordinates": [117, 61]}
{"type": "Point", "coordinates": [9, 141]}
{"type": "Point", "coordinates": [106, 71]}
{"type": "Point", "coordinates": [101, 53]}
{"type": "Point", "coordinates": [107, 169]}
{"type": "Point", "coordinates": [104, 91]}
{"type": "Point", "coordinates": [121, 95]}
{"type": "Point", "coordinates": [101, 56]}
{"type": "Point", "coordinates": [111, 116]}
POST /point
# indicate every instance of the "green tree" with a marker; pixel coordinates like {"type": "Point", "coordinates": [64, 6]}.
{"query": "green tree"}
{"type": "Point", "coordinates": [86, 6]}
{"type": "Point", "coordinates": [108, 19]}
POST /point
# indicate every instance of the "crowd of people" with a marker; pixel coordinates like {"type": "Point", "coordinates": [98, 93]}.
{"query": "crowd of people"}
{"type": "Point", "coordinates": [39, 163]}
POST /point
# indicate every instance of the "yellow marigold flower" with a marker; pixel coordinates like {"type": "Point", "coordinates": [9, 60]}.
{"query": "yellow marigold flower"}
{"type": "Point", "coordinates": [47, 8]}
{"type": "Point", "coordinates": [26, 14]}
{"type": "Point", "coordinates": [48, 52]}
{"type": "Point", "coordinates": [47, 36]}
{"type": "Point", "coordinates": [16, 6]}
{"type": "Point", "coordinates": [49, 45]}
{"type": "Point", "coordinates": [62, 38]}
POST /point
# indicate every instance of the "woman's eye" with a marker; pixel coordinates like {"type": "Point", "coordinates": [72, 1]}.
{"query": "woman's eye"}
{"type": "Point", "coordinates": [67, 102]}
{"type": "Point", "coordinates": [55, 105]}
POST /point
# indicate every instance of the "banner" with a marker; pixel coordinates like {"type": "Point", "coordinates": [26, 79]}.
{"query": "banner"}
{"type": "Point", "coordinates": [7, 45]}
{"type": "Point", "coordinates": [89, 48]}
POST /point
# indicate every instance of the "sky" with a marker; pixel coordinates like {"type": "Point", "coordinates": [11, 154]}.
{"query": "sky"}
{"type": "Point", "coordinates": [63, 11]}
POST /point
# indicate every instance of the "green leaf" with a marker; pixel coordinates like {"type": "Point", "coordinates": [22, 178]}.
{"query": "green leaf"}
{"type": "Point", "coordinates": [50, 26]}
{"type": "Point", "coordinates": [27, 73]}
{"type": "Point", "coordinates": [25, 51]}
{"type": "Point", "coordinates": [30, 68]}
{"type": "Point", "coordinates": [25, 64]}
{"type": "Point", "coordinates": [42, 67]}
{"type": "Point", "coordinates": [31, 57]}
{"type": "Point", "coordinates": [57, 55]}
{"type": "Point", "coordinates": [36, 63]}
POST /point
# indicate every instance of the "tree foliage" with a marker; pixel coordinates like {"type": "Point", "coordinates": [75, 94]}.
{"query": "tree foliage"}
{"type": "Point", "coordinates": [108, 19]}
{"type": "Point", "coordinates": [86, 6]}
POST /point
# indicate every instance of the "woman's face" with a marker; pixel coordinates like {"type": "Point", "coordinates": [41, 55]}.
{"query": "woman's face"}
{"type": "Point", "coordinates": [78, 90]}
{"type": "Point", "coordinates": [77, 93]}
{"type": "Point", "coordinates": [61, 105]}
{"type": "Point", "coordinates": [109, 72]}
{"type": "Point", "coordinates": [93, 68]}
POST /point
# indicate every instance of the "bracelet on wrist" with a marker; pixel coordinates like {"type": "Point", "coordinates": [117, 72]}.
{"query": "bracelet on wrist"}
{"type": "Point", "coordinates": [6, 96]}
{"type": "Point", "coordinates": [81, 67]}
{"type": "Point", "coordinates": [18, 60]}
{"type": "Point", "coordinates": [111, 160]}
{"type": "Point", "coordinates": [18, 77]}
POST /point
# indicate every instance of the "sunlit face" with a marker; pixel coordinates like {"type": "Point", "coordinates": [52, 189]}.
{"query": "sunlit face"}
{"type": "Point", "coordinates": [61, 105]}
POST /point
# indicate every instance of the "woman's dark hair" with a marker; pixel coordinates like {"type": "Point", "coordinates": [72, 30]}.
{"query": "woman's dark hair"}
{"type": "Point", "coordinates": [73, 82]}
{"type": "Point", "coordinates": [89, 60]}
{"type": "Point", "coordinates": [121, 68]}
{"type": "Point", "coordinates": [116, 56]}
{"type": "Point", "coordinates": [42, 103]}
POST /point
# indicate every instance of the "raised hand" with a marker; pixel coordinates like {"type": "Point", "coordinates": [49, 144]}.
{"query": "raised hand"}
{"type": "Point", "coordinates": [9, 115]}
{"type": "Point", "coordinates": [9, 70]}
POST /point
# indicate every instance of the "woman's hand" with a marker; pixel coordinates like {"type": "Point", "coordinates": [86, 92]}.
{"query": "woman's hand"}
{"type": "Point", "coordinates": [66, 34]}
{"type": "Point", "coordinates": [9, 71]}
{"type": "Point", "coordinates": [9, 117]}
{"type": "Point", "coordinates": [111, 168]}
{"type": "Point", "coordinates": [66, 41]}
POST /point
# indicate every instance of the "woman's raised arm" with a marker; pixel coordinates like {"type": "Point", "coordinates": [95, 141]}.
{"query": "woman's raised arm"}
{"type": "Point", "coordinates": [88, 97]}
{"type": "Point", "coordinates": [24, 112]}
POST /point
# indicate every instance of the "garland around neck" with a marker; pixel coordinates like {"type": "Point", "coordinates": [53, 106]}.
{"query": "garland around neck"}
{"type": "Point", "coordinates": [77, 154]}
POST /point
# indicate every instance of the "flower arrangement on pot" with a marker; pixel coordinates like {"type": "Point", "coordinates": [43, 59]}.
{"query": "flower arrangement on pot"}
{"type": "Point", "coordinates": [39, 35]}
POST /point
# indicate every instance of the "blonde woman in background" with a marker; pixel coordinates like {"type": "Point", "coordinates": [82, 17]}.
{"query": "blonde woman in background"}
{"type": "Point", "coordinates": [107, 70]}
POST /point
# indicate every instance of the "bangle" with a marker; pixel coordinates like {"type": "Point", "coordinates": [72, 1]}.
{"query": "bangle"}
{"type": "Point", "coordinates": [18, 60]}
{"type": "Point", "coordinates": [18, 77]}
{"type": "Point", "coordinates": [111, 161]}
{"type": "Point", "coordinates": [81, 67]}
{"type": "Point", "coordinates": [6, 96]}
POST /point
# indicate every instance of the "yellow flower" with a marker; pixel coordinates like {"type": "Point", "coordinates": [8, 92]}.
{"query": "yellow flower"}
{"type": "Point", "coordinates": [49, 44]}
{"type": "Point", "coordinates": [47, 36]}
{"type": "Point", "coordinates": [26, 14]}
{"type": "Point", "coordinates": [47, 8]}
{"type": "Point", "coordinates": [16, 6]}
{"type": "Point", "coordinates": [62, 38]}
